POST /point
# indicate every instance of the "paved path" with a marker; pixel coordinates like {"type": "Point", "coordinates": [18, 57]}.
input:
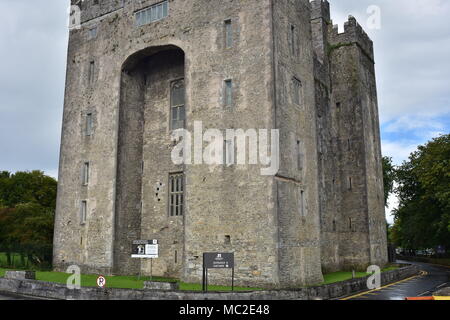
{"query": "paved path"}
{"type": "Point", "coordinates": [431, 279]}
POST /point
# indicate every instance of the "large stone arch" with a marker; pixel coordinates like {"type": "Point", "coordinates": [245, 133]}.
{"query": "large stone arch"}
{"type": "Point", "coordinates": [143, 131]}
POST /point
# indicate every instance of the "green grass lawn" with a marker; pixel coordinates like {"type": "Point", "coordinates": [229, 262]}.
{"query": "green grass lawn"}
{"type": "Point", "coordinates": [343, 275]}
{"type": "Point", "coordinates": [129, 282]}
{"type": "Point", "coordinates": [132, 282]}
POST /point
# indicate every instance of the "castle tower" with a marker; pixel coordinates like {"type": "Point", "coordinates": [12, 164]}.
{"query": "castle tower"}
{"type": "Point", "coordinates": [139, 70]}
{"type": "Point", "coordinates": [353, 225]}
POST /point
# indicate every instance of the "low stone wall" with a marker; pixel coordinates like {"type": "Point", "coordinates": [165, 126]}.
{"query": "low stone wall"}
{"type": "Point", "coordinates": [442, 262]}
{"type": "Point", "coordinates": [325, 292]}
{"type": "Point", "coordinates": [20, 275]}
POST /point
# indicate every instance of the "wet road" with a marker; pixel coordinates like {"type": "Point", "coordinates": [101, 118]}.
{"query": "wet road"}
{"type": "Point", "coordinates": [431, 279]}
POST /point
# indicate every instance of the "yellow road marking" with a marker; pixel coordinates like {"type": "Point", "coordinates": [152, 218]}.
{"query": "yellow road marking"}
{"type": "Point", "coordinates": [422, 273]}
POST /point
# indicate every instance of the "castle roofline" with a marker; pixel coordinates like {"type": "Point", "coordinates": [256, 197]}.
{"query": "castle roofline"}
{"type": "Point", "coordinates": [353, 33]}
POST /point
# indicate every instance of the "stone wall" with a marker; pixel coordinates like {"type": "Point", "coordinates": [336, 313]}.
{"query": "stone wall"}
{"type": "Point", "coordinates": [325, 292]}
{"type": "Point", "coordinates": [282, 228]}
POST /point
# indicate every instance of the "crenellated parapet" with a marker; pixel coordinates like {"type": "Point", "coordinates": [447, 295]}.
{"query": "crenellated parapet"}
{"type": "Point", "coordinates": [353, 34]}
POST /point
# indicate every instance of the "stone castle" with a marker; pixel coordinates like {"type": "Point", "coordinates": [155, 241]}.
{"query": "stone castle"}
{"type": "Point", "coordinates": [138, 69]}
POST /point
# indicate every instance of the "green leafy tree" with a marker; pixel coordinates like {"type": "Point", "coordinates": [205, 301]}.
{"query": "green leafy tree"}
{"type": "Point", "coordinates": [27, 206]}
{"type": "Point", "coordinates": [27, 187]}
{"type": "Point", "coordinates": [423, 217]}
{"type": "Point", "coordinates": [388, 178]}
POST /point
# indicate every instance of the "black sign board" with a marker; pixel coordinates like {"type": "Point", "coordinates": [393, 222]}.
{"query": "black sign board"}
{"type": "Point", "coordinates": [217, 260]}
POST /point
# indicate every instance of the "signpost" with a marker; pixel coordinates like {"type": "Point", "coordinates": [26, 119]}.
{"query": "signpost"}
{"type": "Point", "coordinates": [217, 260]}
{"type": "Point", "coordinates": [145, 249]}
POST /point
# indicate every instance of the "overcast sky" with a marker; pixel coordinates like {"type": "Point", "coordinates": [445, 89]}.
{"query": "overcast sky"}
{"type": "Point", "coordinates": [412, 53]}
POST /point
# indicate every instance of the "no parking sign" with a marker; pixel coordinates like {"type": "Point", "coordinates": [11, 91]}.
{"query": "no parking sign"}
{"type": "Point", "coordinates": [101, 281]}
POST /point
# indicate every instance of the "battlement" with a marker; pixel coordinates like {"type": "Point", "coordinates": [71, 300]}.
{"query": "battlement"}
{"type": "Point", "coordinates": [320, 9]}
{"type": "Point", "coordinates": [353, 33]}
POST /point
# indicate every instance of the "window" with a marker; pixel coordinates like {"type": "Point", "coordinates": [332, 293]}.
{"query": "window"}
{"type": "Point", "coordinates": [334, 225]}
{"type": "Point", "coordinates": [299, 155]}
{"type": "Point", "coordinates": [296, 91]}
{"type": "Point", "coordinates": [293, 39]}
{"type": "Point", "coordinates": [302, 207]}
{"type": "Point", "coordinates": [350, 224]}
{"type": "Point", "coordinates": [86, 173]}
{"type": "Point", "coordinates": [151, 14]}
{"type": "Point", "coordinates": [228, 97]}
{"type": "Point", "coordinates": [89, 124]}
{"type": "Point", "coordinates": [176, 194]}
{"type": "Point", "coordinates": [177, 109]}
{"type": "Point", "coordinates": [228, 152]}
{"type": "Point", "coordinates": [91, 72]}
{"type": "Point", "coordinates": [83, 212]}
{"type": "Point", "coordinates": [350, 186]}
{"type": "Point", "coordinates": [228, 34]}
{"type": "Point", "coordinates": [338, 106]}
{"type": "Point", "coordinates": [92, 33]}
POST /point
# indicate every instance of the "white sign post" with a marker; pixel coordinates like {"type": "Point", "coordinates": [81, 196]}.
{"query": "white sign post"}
{"type": "Point", "coordinates": [145, 249]}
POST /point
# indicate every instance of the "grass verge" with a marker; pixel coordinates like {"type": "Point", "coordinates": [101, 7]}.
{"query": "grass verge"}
{"type": "Point", "coordinates": [344, 275]}
{"type": "Point", "coordinates": [132, 282]}
{"type": "Point", "coordinates": [127, 282]}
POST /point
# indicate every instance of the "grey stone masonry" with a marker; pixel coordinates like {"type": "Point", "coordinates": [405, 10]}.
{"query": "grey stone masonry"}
{"type": "Point", "coordinates": [168, 286]}
{"type": "Point", "coordinates": [324, 292]}
{"type": "Point", "coordinates": [138, 69]}
{"type": "Point", "coordinates": [20, 275]}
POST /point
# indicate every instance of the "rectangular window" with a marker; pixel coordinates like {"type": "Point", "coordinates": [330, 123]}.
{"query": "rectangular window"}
{"type": "Point", "coordinates": [228, 152]}
{"type": "Point", "coordinates": [350, 186]}
{"type": "Point", "coordinates": [177, 108]}
{"type": "Point", "coordinates": [299, 155]}
{"type": "Point", "coordinates": [89, 124]}
{"type": "Point", "coordinates": [293, 39]}
{"type": "Point", "coordinates": [83, 212]}
{"type": "Point", "coordinates": [228, 93]}
{"type": "Point", "coordinates": [153, 13]}
{"type": "Point", "coordinates": [92, 33]}
{"type": "Point", "coordinates": [176, 194]}
{"type": "Point", "coordinates": [296, 91]}
{"type": "Point", "coordinates": [91, 72]}
{"type": "Point", "coordinates": [86, 173]}
{"type": "Point", "coordinates": [302, 207]}
{"type": "Point", "coordinates": [228, 34]}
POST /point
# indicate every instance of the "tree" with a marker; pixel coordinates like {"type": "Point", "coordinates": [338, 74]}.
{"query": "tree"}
{"type": "Point", "coordinates": [27, 206]}
{"type": "Point", "coordinates": [422, 219]}
{"type": "Point", "coordinates": [27, 187]}
{"type": "Point", "coordinates": [388, 178]}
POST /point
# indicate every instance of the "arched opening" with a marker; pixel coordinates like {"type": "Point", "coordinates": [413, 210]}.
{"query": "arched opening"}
{"type": "Point", "coordinates": [143, 158]}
